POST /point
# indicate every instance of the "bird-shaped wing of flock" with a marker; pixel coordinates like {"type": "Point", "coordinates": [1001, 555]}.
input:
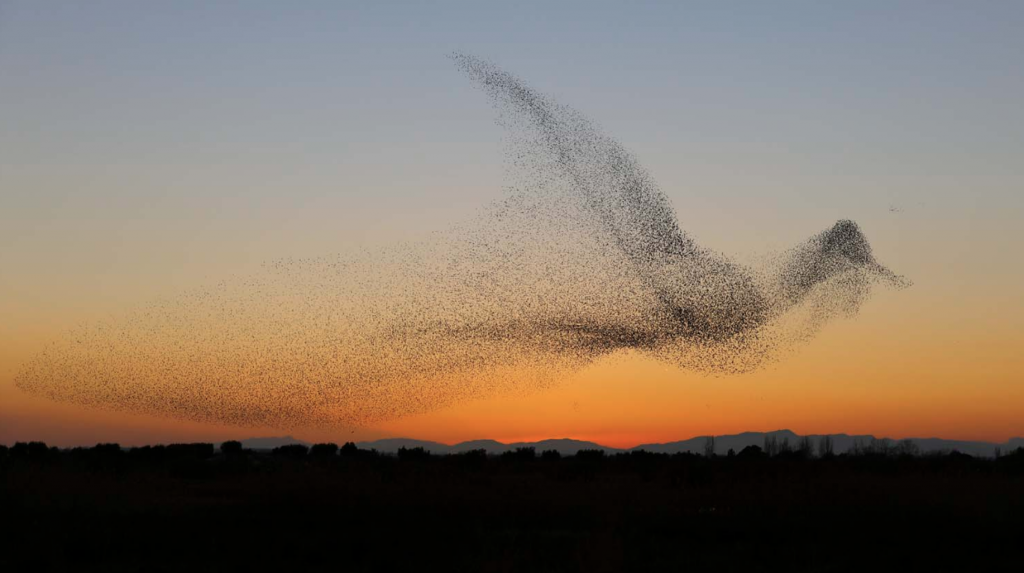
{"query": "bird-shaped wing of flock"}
{"type": "Point", "coordinates": [583, 258]}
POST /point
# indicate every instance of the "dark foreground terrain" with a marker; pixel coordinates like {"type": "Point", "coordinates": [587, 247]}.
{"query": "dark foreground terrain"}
{"type": "Point", "coordinates": [194, 508]}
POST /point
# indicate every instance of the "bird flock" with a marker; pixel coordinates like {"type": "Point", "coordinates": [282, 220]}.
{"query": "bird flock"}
{"type": "Point", "coordinates": [583, 258]}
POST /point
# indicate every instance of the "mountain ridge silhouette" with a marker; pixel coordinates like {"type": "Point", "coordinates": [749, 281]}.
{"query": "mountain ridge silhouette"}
{"type": "Point", "coordinates": [271, 442]}
{"type": "Point", "coordinates": [841, 443]}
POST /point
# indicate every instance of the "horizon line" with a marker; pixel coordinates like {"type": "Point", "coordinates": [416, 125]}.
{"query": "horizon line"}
{"type": "Point", "coordinates": [528, 441]}
{"type": "Point", "coordinates": [520, 441]}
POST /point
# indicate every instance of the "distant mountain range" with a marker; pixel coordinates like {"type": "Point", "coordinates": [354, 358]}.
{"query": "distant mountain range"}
{"type": "Point", "coordinates": [841, 443]}
{"type": "Point", "coordinates": [270, 443]}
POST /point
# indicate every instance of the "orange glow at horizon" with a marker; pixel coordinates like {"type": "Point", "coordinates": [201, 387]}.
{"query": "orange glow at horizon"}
{"type": "Point", "coordinates": [870, 375]}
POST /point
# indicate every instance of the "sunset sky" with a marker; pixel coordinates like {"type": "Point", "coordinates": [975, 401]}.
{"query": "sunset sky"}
{"type": "Point", "coordinates": [146, 149]}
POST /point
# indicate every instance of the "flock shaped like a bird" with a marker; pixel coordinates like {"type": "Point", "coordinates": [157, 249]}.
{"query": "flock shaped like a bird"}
{"type": "Point", "coordinates": [582, 259]}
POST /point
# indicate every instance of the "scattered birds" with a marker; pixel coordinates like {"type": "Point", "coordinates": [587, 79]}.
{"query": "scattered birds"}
{"type": "Point", "coordinates": [584, 258]}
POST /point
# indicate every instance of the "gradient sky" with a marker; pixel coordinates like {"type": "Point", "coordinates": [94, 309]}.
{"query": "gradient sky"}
{"type": "Point", "coordinates": [148, 148]}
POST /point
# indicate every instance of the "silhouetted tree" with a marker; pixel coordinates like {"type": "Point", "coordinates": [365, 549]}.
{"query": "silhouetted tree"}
{"type": "Point", "coordinates": [731, 453]}
{"type": "Point", "coordinates": [590, 455]}
{"type": "Point", "coordinates": [196, 450]}
{"type": "Point", "coordinates": [550, 456]}
{"type": "Point", "coordinates": [880, 447]}
{"type": "Point", "coordinates": [709, 447]}
{"type": "Point", "coordinates": [328, 450]}
{"type": "Point", "coordinates": [858, 448]}
{"type": "Point", "coordinates": [520, 454]}
{"type": "Point", "coordinates": [31, 450]}
{"type": "Point", "coordinates": [100, 457]}
{"type": "Point", "coordinates": [231, 448]}
{"type": "Point", "coordinates": [473, 456]}
{"type": "Point", "coordinates": [771, 445]}
{"type": "Point", "coordinates": [784, 447]}
{"type": "Point", "coordinates": [957, 456]}
{"type": "Point", "coordinates": [826, 449]}
{"type": "Point", "coordinates": [349, 450]}
{"type": "Point", "coordinates": [148, 454]}
{"type": "Point", "coordinates": [295, 451]}
{"type": "Point", "coordinates": [751, 452]}
{"type": "Point", "coordinates": [413, 454]}
{"type": "Point", "coordinates": [806, 448]}
{"type": "Point", "coordinates": [907, 448]}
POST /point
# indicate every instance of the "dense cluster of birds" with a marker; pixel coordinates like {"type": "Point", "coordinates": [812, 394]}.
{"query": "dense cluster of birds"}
{"type": "Point", "coordinates": [583, 258]}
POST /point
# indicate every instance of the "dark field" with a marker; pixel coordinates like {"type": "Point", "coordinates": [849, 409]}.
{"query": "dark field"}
{"type": "Point", "coordinates": [189, 508]}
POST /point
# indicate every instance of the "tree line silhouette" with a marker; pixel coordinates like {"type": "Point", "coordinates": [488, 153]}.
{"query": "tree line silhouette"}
{"type": "Point", "coordinates": [779, 506]}
{"type": "Point", "coordinates": [806, 448]}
